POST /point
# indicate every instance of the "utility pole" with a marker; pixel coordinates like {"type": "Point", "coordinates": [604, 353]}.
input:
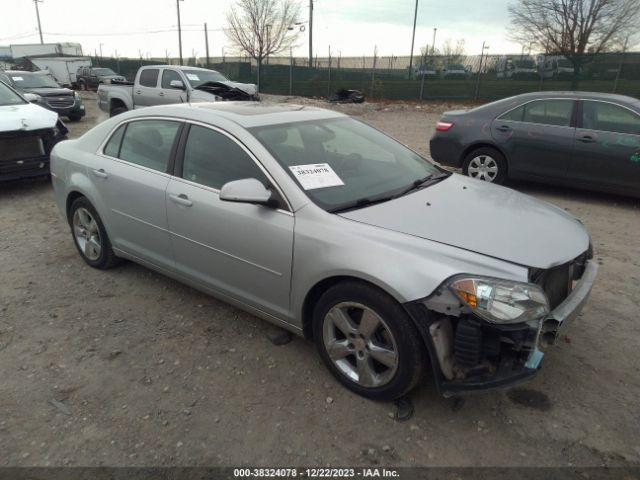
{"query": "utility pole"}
{"type": "Point", "coordinates": [480, 71]}
{"type": "Point", "coordinates": [433, 44]}
{"type": "Point", "coordinates": [38, 15]}
{"type": "Point", "coordinates": [310, 33]}
{"type": "Point", "coordinates": [179, 30]}
{"type": "Point", "coordinates": [624, 48]}
{"type": "Point", "coordinates": [413, 37]}
{"type": "Point", "coordinates": [206, 41]}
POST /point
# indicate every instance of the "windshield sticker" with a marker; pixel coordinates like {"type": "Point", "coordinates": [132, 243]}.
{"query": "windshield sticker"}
{"type": "Point", "coordinates": [193, 76]}
{"type": "Point", "coordinates": [17, 79]}
{"type": "Point", "coordinates": [319, 175]}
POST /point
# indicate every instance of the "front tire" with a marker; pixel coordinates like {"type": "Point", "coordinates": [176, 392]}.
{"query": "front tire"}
{"type": "Point", "coordinates": [486, 164]}
{"type": "Point", "coordinates": [367, 341]}
{"type": "Point", "coordinates": [117, 111]}
{"type": "Point", "coordinates": [90, 236]}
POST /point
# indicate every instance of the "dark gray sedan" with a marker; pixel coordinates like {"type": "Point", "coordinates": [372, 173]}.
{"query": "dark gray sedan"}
{"type": "Point", "coordinates": [580, 139]}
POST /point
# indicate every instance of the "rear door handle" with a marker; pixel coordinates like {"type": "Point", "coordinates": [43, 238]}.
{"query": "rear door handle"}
{"type": "Point", "coordinates": [181, 199]}
{"type": "Point", "coordinates": [138, 92]}
{"type": "Point", "coordinates": [100, 173]}
{"type": "Point", "coordinates": [503, 128]}
{"type": "Point", "coordinates": [161, 94]}
{"type": "Point", "coordinates": [586, 139]}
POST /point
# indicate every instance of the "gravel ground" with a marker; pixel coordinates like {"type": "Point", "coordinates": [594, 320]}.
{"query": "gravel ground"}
{"type": "Point", "coordinates": [128, 367]}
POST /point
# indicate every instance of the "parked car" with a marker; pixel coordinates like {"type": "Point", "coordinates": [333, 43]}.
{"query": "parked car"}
{"type": "Point", "coordinates": [427, 71]}
{"type": "Point", "coordinates": [48, 93]}
{"type": "Point", "coordinates": [27, 135]}
{"type": "Point", "coordinates": [329, 228]}
{"type": "Point", "coordinates": [520, 68]}
{"type": "Point", "coordinates": [166, 84]}
{"type": "Point", "coordinates": [555, 67]}
{"type": "Point", "coordinates": [454, 71]}
{"type": "Point", "coordinates": [579, 139]}
{"type": "Point", "coordinates": [88, 78]}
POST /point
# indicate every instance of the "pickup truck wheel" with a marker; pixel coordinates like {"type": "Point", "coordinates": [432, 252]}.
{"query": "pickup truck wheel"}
{"type": "Point", "coordinates": [485, 164]}
{"type": "Point", "coordinates": [367, 341]}
{"type": "Point", "coordinates": [90, 236]}
{"type": "Point", "coordinates": [117, 111]}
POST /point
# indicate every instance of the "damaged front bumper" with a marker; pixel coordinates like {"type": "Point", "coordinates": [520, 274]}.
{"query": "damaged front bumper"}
{"type": "Point", "coordinates": [469, 354]}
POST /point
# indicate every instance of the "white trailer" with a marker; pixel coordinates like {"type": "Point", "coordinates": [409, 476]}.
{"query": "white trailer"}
{"type": "Point", "coordinates": [63, 69]}
{"type": "Point", "coordinates": [39, 50]}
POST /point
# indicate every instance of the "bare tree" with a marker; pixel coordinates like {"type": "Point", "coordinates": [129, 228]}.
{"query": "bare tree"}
{"type": "Point", "coordinates": [577, 29]}
{"type": "Point", "coordinates": [453, 52]}
{"type": "Point", "coordinates": [262, 27]}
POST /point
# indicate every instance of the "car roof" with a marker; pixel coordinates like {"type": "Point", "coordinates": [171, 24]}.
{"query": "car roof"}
{"type": "Point", "coordinates": [580, 94]}
{"type": "Point", "coordinates": [23, 72]}
{"type": "Point", "coordinates": [245, 114]}
{"type": "Point", "coordinates": [182, 67]}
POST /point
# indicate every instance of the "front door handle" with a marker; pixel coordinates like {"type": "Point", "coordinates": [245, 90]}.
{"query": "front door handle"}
{"type": "Point", "coordinates": [181, 199]}
{"type": "Point", "coordinates": [503, 128]}
{"type": "Point", "coordinates": [138, 92]}
{"type": "Point", "coordinates": [586, 139]}
{"type": "Point", "coordinates": [100, 173]}
{"type": "Point", "coordinates": [161, 94]}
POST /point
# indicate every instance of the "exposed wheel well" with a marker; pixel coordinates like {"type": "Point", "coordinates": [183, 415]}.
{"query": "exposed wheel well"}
{"type": "Point", "coordinates": [115, 103]}
{"type": "Point", "coordinates": [316, 292]}
{"type": "Point", "coordinates": [72, 197]}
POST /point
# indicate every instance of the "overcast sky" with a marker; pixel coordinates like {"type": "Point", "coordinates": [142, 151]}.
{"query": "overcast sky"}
{"type": "Point", "coordinates": [351, 27]}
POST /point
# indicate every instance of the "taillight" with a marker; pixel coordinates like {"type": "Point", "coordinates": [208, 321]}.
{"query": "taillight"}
{"type": "Point", "coordinates": [443, 126]}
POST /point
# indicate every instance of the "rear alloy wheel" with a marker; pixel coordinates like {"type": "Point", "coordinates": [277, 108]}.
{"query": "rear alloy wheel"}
{"type": "Point", "coordinates": [368, 341]}
{"type": "Point", "coordinates": [90, 236]}
{"type": "Point", "coordinates": [486, 164]}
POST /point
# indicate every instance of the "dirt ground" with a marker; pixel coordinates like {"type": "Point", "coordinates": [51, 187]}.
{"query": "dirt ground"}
{"type": "Point", "coordinates": [128, 367]}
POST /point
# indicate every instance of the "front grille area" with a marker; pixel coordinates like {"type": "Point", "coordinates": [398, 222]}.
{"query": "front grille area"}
{"type": "Point", "coordinates": [557, 282]}
{"type": "Point", "coordinates": [60, 102]}
{"type": "Point", "coordinates": [21, 147]}
{"type": "Point", "coordinates": [25, 153]}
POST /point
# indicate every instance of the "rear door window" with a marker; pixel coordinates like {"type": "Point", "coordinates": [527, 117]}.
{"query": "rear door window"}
{"type": "Point", "coordinates": [608, 117]}
{"type": "Point", "coordinates": [148, 143]}
{"type": "Point", "coordinates": [549, 112]}
{"type": "Point", "coordinates": [149, 77]}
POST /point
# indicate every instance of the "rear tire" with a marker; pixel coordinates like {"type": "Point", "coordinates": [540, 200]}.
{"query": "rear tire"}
{"type": "Point", "coordinates": [486, 164]}
{"type": "Point", "coordinates": [82, 85]}
{"type": "Point", "coordinates": [367, 341]}
{"type": "Point", "coordinates": [90, 236]}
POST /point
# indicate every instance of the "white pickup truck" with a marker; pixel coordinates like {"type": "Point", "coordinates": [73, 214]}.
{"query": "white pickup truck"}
{"type": "Point", "coordinates": [166, 84]}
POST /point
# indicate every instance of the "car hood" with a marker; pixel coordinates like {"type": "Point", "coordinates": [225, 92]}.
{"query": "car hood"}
{"type": "Point", "coordinates": [49, 92]}
{"type": "Point", "coordinates": [483, 218]}
{"type": "Point", "coordinates": [26, 117]}
{"type": "Point", "coordinates": [230, 90]}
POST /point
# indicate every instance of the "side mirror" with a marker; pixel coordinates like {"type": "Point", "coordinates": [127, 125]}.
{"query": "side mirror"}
{"type": "Point", "coordinates": [31, 97]}
{"type": "Point", "coordinates": [246, 190]}
{"type": "Point", "coordinates": [177, 84]}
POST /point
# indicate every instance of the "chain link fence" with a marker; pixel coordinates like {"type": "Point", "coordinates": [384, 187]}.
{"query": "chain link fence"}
{"type": "Point", "coordinates": [463, 77]}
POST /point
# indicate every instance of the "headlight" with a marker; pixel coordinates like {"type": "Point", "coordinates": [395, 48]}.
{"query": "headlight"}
{"type": "Point", "coordinates": [76, 95]}
{"type": "Point", "coordinates": [501, 301]}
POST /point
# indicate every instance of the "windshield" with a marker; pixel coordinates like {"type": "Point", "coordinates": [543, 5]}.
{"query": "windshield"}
{"type": "Point", "coordinates": [198, 77]}
{"type": "Point", "coordinates": [104, 71]}
{"type": "Point", "coordinates": [525, 63]}
{"type": "Point", "coordinates": [30, 80]}
{"type": "Point", "coordinates": [9, 97]}
{"type": "Point", "coordinates": [339, 162]}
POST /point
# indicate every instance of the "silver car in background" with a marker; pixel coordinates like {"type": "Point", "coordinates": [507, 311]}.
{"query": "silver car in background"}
{"type": "Point", "coordinates": [327, 227]}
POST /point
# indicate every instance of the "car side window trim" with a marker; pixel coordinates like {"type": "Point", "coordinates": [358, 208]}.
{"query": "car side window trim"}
{"type": "Point", "coordinates": [174, 147]}
{"type": "Point", "coordinates": [178, 168]}
{"type": "Point", "coordinates": [572, 121]}
{"type": "Point", "coordinates": [579, 115]}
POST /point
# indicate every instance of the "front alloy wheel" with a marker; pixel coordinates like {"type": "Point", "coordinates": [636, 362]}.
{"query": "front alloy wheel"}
{"type": "Point", "coordinates": [360, 344]}
{"type": "Point", "coordinates": [367, 340]}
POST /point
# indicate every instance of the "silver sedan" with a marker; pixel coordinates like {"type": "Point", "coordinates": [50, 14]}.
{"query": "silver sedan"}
{"type": "Point", "coordinates": [327, 227]}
